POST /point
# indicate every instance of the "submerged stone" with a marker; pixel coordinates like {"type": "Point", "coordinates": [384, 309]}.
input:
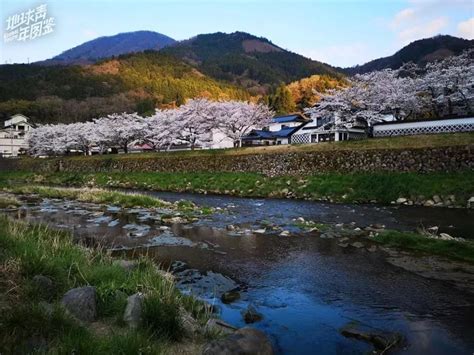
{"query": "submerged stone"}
{"type": "Point", "coordinates": [230, 296]}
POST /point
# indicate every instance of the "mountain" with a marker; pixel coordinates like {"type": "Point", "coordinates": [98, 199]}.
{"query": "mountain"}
{"type": "Point", "coordinates": [110, 46]}
{"type": "Point", "coordinates": [252, 62]}
{"type": "Point", "coordinates": [133, 82]}
{"type": "Point", "coordinates": [419, 52]}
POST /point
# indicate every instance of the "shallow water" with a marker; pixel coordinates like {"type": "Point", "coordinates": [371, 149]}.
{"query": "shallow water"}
{"type": "Point", "coordinates": [307, 288]}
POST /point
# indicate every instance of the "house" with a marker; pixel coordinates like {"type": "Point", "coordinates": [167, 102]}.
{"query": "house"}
{"type": "Point", "coordinates": [433, 126]}
{"type": "Point", "coordinates": [279, 131]}
{"type": "Point", "coordinates": [13, 136]}
{"type": "Point", "coordinates": [323, 129]}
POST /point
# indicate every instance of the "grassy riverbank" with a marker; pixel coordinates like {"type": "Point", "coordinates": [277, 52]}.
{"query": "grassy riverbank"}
{"type": "Point", "coordinates": [32, 318]}
{"type": "Point", "coordinates": [415, 242]}
{"type": "Point", "coordinates": [348, 188]}
{"type": "Point", "coordinates": [100, 196]}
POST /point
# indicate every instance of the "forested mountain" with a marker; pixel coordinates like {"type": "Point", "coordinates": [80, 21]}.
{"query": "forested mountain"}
{"type": "Point", "coordinates": [251, 62]}
{"type": "Point", "coordinates": [418, 52]}
{"type": "Point", "coordinates": [110, 46]}
{"type": "Point", "coordinates": [135, 82]}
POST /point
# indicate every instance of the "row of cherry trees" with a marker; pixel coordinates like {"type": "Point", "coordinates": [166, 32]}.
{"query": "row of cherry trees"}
{"type": "Point", "coordinates": [192, 124]}
{"type": "Point", "coordinates": [410, 92]}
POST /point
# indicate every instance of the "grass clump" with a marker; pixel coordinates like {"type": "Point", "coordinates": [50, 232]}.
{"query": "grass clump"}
{"type": "Point", "coordinates": [93, 195]}
{"type": "Point", "coordinates": [416, 242]}
{"type": "Point", "coordinates": [9, 201]}
{"type": "Point", "coordinates": [162, 318]}
{"type": "Point", "coordinates": [31, 321]}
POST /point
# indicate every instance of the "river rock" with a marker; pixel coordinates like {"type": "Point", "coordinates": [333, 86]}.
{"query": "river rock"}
{"type": "Point", "coordinates": [401, 200]}
{"type": "Point", "coordinates": [230, 296]}
{"type": "Point", "coordinates": [284, 233]}
{"type": "Point", "coordinates": [251, 315]}
{"type": "Point", "coordinates": [372, 249]}
{"type": "Point", "coordinates": [133, 311]}
{"type": "Point", "coordinates": [245, 341]}
{"type": "Point", "coordinates": [81, 302]}
{"type": "Point", "coordinates": [328, 235]}
{"type": "Point", "coordinates": [214, 325]}
{"type": "Point", "coordinates": [445, 236]}
{"type": "Point", "coordinates": [381, 342]}
{"type": "Point", "coordinates": [470, 202]}
{"type": "Point", "coordinates": [433, 230]}
{"type": "Point", "coordinates": [357, 245]}
{"type": "Point", "coordinates": [437, 199]}
{"type": "Point", "coordinates": [428, 203]}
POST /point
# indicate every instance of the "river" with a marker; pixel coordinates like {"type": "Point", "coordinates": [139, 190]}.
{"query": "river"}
{"type": "Point", "coordinates": [307, 288]}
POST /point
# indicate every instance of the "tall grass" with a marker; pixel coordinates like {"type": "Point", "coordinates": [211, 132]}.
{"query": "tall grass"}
{"type": "Point", "coordinates": [26, 251]}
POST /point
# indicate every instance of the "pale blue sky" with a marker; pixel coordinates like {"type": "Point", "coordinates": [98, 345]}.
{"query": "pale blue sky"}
{"type": "Point", "coordinates": [342, 33]}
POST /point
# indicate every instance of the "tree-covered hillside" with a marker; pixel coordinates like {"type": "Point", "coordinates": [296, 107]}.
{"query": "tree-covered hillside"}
{"type": "Point", "coordinates": [134, 82]}
{"type": "Point", "coordinates": [252, 62]}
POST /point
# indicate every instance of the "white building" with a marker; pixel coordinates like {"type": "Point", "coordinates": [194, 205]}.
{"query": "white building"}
{"type": "Point", "coordinates": [13, 136]}
{"type": "Point", "coordinates": [322, 129]}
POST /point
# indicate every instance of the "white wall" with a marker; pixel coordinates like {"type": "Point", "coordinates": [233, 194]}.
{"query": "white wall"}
{"type": "Point", "coordinates": [424, 127]}
{"type": "Point", "coordinates": [220, 140]}
{"type": "Point", "coordinates": [273, 127]}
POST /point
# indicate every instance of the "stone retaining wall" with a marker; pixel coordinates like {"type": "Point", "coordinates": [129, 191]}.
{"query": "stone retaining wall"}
{"type": "Point", "coordinates": [447, 159]}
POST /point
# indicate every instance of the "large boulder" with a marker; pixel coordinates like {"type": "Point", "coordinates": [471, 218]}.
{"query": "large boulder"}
{"type": "Point", "coordinates": [245, 341]}
{"type": "Point", "coordinates": [133, 311]}
{"type": "Point", "coordinates": [81, 302]}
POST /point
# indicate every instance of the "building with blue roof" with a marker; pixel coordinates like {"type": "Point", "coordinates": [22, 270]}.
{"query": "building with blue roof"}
{"type": "Point", "coordinates": [279, 131]}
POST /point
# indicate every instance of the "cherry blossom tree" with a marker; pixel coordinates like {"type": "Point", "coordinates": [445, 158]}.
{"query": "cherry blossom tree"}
{"type": "Point", "coordinates": [450, 83]}
{"type": "Point", "coordinates": [51, 140]}
{"type": "Point", "coordinates": [120, 130]}
{"type": "Point", "coordinates": [161, 129]}
{"type": "Point", "coordinates": [84, 135]}
{"type": "Point", "coordinates": [194, 123]}
{"type": "Point", "coordinates": [407, 93]}
{"type": "Point", "coordinates": [235, 119]}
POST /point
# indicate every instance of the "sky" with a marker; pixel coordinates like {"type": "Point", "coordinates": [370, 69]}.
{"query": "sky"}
{"type": "Point", "coordinates": [338, 32]}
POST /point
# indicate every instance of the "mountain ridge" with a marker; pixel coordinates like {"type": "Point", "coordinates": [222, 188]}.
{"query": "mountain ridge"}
{"type": "Point", "coordinates": [419, 52]}
{"type": "Point", "coordinates": [110, 46]}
